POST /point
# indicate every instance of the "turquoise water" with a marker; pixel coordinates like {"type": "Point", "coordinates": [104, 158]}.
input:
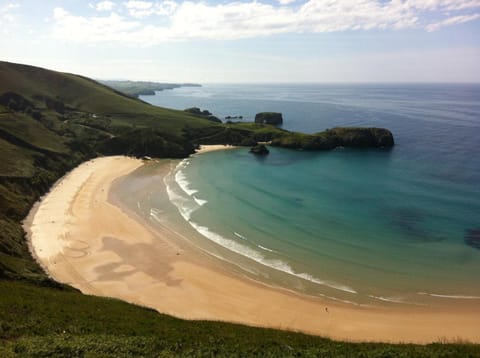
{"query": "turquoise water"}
{"type": "Point", "coordinates": [364, 226]}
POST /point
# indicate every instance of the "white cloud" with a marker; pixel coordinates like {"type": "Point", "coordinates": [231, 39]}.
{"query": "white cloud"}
{"type": "Point", "coordinates": [286, 2]}
{"type": "Point", "coordinates": [169, 20]}
{"type": "Point", "coordinates": [446, 5]}
{"type": "Point", "coordinates": [92, 29]}
{"type": "Point", "coordinates": [139, 9]}
{"type": "Point", "coordinates": [7, 17]}
{"type": "Point", "coordinates": [142, 9]}
{"type": "Point", "coordinates": [104, 6]}
{"type": "Point", "coordinates": [139, 5]}
{"type": "Point", "coordinates": [166, 7]}
{"type": "Point", "coordinates": [9, 7]}
{"type": "Point", "coordinates": [452, 21]}
{"type": "Point", "coordinates": [7, 10]}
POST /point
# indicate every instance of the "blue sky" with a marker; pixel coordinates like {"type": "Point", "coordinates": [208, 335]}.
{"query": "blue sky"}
{"type": "Point", "coordinates": [248, 41]}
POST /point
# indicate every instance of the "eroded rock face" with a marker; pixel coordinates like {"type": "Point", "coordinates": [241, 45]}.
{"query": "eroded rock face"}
{"type": "Point", "coordinates": [472, 238]}
{"type": "Point", "coordinates": [259, 149]}
{"type": "Point", "coordinates": [273, 118]}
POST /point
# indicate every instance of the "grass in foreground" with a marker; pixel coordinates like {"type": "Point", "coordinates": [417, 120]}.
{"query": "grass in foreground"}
{"type": "Point", "coordinates": [44, 321]}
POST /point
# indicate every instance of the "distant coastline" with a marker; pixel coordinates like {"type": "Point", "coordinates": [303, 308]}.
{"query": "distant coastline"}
{"type": "Point", "coordinates": [143, 88]}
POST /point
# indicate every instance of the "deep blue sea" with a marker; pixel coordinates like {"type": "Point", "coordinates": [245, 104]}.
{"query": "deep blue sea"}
{"type": "Point", "coordinates": [364, 226]}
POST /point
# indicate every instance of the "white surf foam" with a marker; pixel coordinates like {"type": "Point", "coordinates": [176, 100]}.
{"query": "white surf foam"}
{"type": "Point", "coordinates": [460, 297]}
{"type": "Point", "coordinates": [181, 178]}
{"type": "Point", "coordinates": [387, 299]}
{"type": "Point", "coordinates": [156, 214]}
{"type": "Point", "coordinates": [395, 300]}
{"type": "Point", "coordinates": [259, 258]}
{"type": "Point", "coordinates": [183, 183]}
{"type": "Point", "coordinates": [200, 202]}
{"type": "Point", "coordinates": [186, 206]}
{"type": "Point", "coordinates": [239, 236]}
{"type": "Point", "coordinates": [259, 246]}
{"type": "Point", "coordinates": [266, 248]}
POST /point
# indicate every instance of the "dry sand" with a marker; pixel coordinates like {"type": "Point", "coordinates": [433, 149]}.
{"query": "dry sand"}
{"type": "Point", "coordinates": [82, 239]}
{"type": "Point", "coordinates": [214, 147]}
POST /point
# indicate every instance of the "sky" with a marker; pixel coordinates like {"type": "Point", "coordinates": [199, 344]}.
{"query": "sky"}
{"type": "Point", "coordinates": [255, 41]}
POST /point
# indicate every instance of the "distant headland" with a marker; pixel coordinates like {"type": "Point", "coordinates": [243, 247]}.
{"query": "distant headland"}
{"type": "Point", "coordinates": [143, 88]}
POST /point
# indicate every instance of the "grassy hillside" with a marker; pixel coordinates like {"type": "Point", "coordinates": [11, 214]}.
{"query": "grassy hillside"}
{"type": "Point", "coordinates": [35, 321]}
{"type": "Point", "coordinates": [49, 123]}
{"type": "Point", "coordinates": [80, 95]}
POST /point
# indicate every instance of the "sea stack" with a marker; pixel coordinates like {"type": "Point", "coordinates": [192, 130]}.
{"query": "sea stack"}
{"type": "Point", "coordinates": [259, 149]}
{"type": "Point", "coordinates": [273, 118]}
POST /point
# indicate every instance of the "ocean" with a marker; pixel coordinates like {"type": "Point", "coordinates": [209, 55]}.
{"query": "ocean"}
{"type": "Point", "coordinates": [367, 227]}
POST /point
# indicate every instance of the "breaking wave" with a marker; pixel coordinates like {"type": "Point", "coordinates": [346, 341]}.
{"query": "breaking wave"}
{"type": "Point", "coordinates": [187, 205]}
{"type": "Point", "coordinates": [459, 297]}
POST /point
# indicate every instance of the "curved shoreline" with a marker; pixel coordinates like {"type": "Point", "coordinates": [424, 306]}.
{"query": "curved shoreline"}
{"type": "Point", "coordinates": [81, 238]}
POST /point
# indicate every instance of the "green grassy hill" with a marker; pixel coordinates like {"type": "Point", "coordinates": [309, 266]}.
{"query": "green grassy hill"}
{"type": "Point", "coordinates": [49, 123]}
{"type": "Point", "coordinates": [77, 95]}
{"type": "Point", "coordinates": [36, 321]}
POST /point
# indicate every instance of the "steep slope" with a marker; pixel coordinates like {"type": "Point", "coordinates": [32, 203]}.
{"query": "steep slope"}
{"type": "Point", "coordinates": [50, 122]}
{"type": "Point", "coordinates": [50, 90]}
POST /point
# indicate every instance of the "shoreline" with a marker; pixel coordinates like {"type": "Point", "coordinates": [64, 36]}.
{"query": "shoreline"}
{"type": "Point", "coordinates": [205, 148]}
{"type": "Point", "coordinates": [84, 238]}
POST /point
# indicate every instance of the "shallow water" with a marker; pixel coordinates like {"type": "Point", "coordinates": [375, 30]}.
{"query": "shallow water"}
{"type": "Point", "coordinates": [365, 226]}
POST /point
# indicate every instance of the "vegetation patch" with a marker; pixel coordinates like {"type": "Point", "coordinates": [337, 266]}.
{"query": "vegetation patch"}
{"type": "Point", "coordinates": [40, 321]}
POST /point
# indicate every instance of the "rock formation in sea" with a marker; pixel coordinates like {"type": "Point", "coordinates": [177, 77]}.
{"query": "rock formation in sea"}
{"type": "Point", "coordinates": [259, 149]}
{"type": "Point", "coordinates": [337, 137]}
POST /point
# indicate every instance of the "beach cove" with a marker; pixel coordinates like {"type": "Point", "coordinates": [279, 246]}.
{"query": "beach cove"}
{"type": "Point", "coordinates": [83, 236]}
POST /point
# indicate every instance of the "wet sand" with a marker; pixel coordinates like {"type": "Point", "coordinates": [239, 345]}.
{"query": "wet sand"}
{"type": "Point", "coordinates": [82, 238]}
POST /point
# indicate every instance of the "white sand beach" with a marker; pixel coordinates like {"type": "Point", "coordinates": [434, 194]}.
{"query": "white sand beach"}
{"type": "Point", "coordinates": [214, 147]}
{"type": "Point", "coordinates": [81, 238]}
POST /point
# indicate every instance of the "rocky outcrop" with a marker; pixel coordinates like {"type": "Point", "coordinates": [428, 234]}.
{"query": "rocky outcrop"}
{"type": "Point", "coordinates": [197, 111]}
{"type": "Point", "coordinates": [245, 134]}
{"type": "Point", "coordinates": [337, 137]}
{"type": "Point", "coordinates": [205, 114]}
{"type": "Point", "coordinates": [273, 118]}
{"type": "Point", "coordinates": [362, 137]}
{"type": "Point", "coordinates": [259, 149]}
